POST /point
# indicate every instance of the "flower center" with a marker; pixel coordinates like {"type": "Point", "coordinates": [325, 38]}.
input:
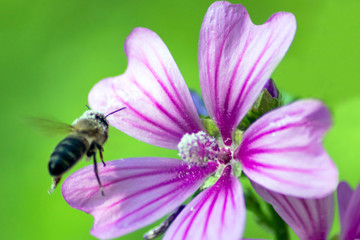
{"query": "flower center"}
{"type": "Point", "coordinates": [200, 147]}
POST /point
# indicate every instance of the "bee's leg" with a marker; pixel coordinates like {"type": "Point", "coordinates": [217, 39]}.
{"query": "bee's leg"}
{"type": "Point", "coordinates": [56, 181]}
{"type": "Point", "coordinates": [97, 175]}
{"type": "Point", "coordinates": [101, 149]}
{"type": "Point", "coordinates": [101, 157]}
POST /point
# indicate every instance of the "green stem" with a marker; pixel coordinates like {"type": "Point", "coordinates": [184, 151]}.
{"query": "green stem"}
{"type": "Point", "coordinates": [279, 227]}
{"type": "Point", "coordinates": [269, 219]}
{"type": "Point", "coordinates": [253, 205]}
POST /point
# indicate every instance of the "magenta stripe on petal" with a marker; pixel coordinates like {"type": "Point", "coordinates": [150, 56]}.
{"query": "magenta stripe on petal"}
{"type": "Point", "coordinates": [216, 213]}
{"type": "Point", "coordinates": [236, 58]}
{"type": "Point", "coordinates": [311, 219]}
{"type": "Point", "coordinates": [138, 192]}
{"type": "Point", "coordinates": [344, 193]}
{"type": "Point", "coordinates": [283, 151]}
{"type": "Point", "coordinates": [159, 108]}
{"type": "Point", "coordinates": [350, 225]}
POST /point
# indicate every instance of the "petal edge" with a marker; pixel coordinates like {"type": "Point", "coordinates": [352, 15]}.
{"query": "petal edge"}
{"type": "Point", "coordinates": [283, 152]}
{"type": "Point", "coordinates": [214, 212]}
{"type": "Point", "coordinates": [138, 191]}
{"type": "Point", "coordinates": [236, 58]}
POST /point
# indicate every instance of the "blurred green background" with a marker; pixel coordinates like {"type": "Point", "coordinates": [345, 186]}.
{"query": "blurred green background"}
{"type": "Point", "coordinates": [53, 52]}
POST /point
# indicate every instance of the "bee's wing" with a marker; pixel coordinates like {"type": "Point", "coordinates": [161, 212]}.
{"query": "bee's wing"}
{"type": "Point", "coordinates": [50, 127]}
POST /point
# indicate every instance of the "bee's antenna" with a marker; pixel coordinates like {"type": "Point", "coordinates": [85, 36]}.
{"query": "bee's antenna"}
{"type": "Point", "coordinates": [87, 107]}
{"type": "Point", "coordinates": [115, 111]}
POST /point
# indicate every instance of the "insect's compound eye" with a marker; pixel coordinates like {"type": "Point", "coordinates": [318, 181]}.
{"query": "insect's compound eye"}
{"type": "Point", "coordinates": [101, 119]}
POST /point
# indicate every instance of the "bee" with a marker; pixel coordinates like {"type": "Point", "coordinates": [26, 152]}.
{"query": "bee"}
{"type": "Point", "coordinates": [86, 136]}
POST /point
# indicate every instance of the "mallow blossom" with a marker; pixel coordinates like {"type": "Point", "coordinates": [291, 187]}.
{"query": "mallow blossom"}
{"type": "Point", "coordinates": [282, 151]}
{"type": "Point", "coordinates": [311, 219]}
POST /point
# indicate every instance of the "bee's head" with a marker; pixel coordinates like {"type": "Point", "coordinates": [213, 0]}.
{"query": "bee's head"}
{"type": "Point", "coordinates": [99, 118]}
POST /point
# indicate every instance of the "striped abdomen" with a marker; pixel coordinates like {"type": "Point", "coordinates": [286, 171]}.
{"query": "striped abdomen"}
{"type": "Point", "coordinates": [66, 154]}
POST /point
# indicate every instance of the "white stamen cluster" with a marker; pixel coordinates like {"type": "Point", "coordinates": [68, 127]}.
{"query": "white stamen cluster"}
{"type": "Point", "coordinates": [197, 147]}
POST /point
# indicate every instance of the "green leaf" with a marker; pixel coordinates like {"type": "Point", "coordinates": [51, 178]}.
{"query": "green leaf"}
{"type": "Point", "coordinates": [263, 104]}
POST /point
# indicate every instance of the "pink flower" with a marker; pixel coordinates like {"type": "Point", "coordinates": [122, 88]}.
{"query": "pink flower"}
{"type": "Point", "coordinates": [311, 219]}
{"type": "Point", "coordinates": [282, 151]}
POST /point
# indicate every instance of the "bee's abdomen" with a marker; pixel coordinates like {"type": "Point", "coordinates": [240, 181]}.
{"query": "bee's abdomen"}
{"type": "Point", "coordinates": [66, 154]}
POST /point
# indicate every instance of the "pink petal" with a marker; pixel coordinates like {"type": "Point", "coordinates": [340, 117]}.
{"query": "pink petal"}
{"type": "Point", "coordinates": [159, 108]}
{"type": "Point", "coordinates": [236, 58]}
{"type": "Point", "coordinates": [216, 213]}
{"type": "Point", "coordinates": [351, 221]}
{"type": "Point", "coordinates": [283, 151]}
{"type": "Point", "coordinates": [138, 192]}
{"type": "Point", "coordinates": [310, 219]}
{"type": "Point", "coordinates": [344, 193]}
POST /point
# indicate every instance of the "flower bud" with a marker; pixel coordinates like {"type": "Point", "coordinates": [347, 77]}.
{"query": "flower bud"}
{"type": "Point", "coordinates": [271, 88]}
